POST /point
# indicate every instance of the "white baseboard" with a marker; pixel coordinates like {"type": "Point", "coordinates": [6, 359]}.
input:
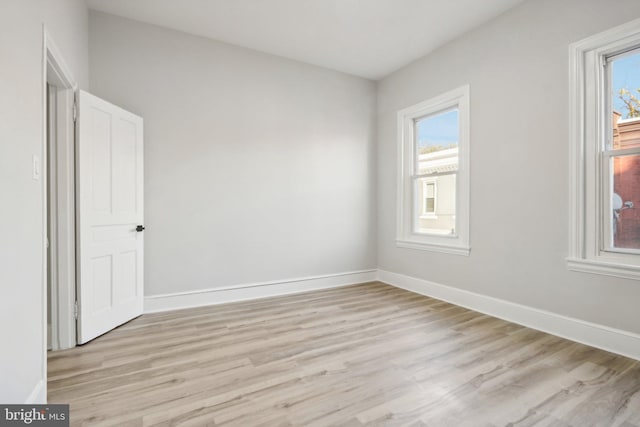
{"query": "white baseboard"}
{"type": "Point", "coordinates": [609, 339]}
{"type": "Point", "coordinates": [175, 301]}
{"type": "Point", "coordinates": [38, 395]}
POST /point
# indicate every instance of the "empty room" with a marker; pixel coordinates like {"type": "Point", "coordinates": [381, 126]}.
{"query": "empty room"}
{"type": "Point", "coordinates": [320, 213]}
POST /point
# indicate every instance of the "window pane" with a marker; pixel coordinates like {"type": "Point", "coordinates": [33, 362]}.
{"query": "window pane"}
{"type": "Point", "coordinates": [626, 202]}
{"type": "Point", "coordinates": [625, 94]}
{"type": "Point", "coordinates": [441, 207]}
{"type": "Point", "coordinates": [437, 132]}
{"type": "Point", "coordinates": [430, 190]}
{"type": "Point", "coordinates": [431, 205]}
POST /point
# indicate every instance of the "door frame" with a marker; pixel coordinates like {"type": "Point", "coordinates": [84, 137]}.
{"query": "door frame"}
{"type": "Point", "coordinates": [63, 290]}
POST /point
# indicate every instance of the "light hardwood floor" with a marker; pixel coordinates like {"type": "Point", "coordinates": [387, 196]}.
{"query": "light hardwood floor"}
{"type": "Point", "coordinates": [368, 354]}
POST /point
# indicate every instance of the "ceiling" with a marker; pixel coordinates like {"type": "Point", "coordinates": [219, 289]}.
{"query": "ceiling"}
{"type": "Point", "coordinates": [368, 38]}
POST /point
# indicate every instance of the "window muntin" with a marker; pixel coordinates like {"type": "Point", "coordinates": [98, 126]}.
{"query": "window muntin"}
{"type": "Point", "coordinates": [433, 191]}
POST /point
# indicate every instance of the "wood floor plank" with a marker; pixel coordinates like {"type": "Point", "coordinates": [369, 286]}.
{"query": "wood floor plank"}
{"type": "Point", "coordinates": [363, 355]}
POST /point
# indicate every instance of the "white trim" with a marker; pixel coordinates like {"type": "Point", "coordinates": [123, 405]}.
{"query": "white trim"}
{"type": "Point", "coordinates": [52, 188]}
{"type": "Point", "coordinates": [445, 249]}
{"type": "Point", "coordinates": [66, 239]}
{"type": "Point", "coordinates": [627, 31]}
{"type": "Point", "coordinates": [588, 122]}
{"type": "Point", "coordinates": [610, 339]}
{"type": "Point", "coordinates": [623, 271]}
{"type": "Point", "coordinates": [56, 59]}
{"type": "Point", "coordinates": [38, 395]}
{"type": "Point", "coordinates": [407, 210]}
{"type": "Point", "coordinates": [251, 291]}
{"type": "Point", "coordinates": [63, 289]}
{"type": "Point", "coordinates": [576, 154]}
{"type": "Point", "coordinates": [51, 58]}
{"type": "Point", "coordinates": [43, 190]}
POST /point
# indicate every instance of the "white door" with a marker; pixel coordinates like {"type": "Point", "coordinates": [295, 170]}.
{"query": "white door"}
{"type": "Point", "coordinates": [110, 209]}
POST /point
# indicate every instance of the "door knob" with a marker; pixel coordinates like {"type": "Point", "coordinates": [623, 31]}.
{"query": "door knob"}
{"type": "Point", "coordinates": [139, 228]}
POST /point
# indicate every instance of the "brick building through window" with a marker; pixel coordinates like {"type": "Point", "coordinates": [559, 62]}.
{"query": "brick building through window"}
{"type": "Point", "coordinates": [626, 183]}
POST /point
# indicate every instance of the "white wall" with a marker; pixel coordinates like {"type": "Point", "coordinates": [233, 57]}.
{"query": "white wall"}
{"type": "Point", "coordinates": [22, 293]}
{"type": "Point", "coordinates": [257, 168]}
{"type": "Point", "coordinates": [517, 66]}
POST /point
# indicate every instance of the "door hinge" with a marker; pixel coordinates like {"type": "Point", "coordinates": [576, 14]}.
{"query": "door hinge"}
{"type": "Point", "coordinates": [75, 310]}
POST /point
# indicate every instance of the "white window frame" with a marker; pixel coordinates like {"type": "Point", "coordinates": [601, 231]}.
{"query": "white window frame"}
{"type": "Point", "coordinates": [425, 183]}
{"type": "Point", "coordinates": [407, 237]}
{"type": "Point", "coordinates": [590, 125]}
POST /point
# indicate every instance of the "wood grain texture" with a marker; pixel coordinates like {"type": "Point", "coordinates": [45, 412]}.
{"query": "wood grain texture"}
{"type": "Point", "coordinates": [369, 354]}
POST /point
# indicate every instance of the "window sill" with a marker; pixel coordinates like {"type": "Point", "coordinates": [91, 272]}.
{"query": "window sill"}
{"type": "Point", "coordinates": [447, 249]}
{"type": "Point", "coordinates": [428, 216]}
{"type": "Point", "coordinates": [623, 271]}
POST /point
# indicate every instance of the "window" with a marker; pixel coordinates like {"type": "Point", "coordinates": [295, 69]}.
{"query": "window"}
{"type": "Point", "coordinates": [433, 181]}
{"type": "Point", "coordinates": [605, 92]}
{"type": "Point", "coordinates": [428, 198]}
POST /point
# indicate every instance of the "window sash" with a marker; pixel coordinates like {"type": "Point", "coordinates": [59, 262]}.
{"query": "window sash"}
{"type": "Point", "coordinates": [418, 205]}
{"type": "Point", "coordinates": [433, 175]}
{"type": "Point", "coordinates": [608, 153]}
{"type": "Point", "coordinates": [416, 154]}
{"type": "Point", "coordinates": [606, 216]}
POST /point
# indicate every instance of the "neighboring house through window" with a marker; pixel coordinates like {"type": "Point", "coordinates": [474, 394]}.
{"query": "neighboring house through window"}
{"type": "Point", "coordinates": [433, 181]}
{"type": "Point", "coordinates": [605, 218]}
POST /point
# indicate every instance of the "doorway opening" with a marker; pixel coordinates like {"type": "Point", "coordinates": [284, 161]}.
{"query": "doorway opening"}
{"type": "Point", "coordinates": [58, 182]}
